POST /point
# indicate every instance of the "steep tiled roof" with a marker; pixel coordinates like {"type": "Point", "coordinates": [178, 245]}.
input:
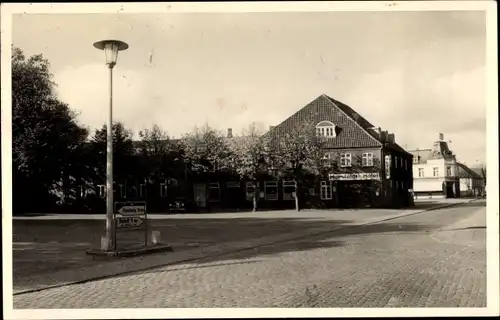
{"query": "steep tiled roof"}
{"type": "Point", "coordinates": [351, 133]}
{"type": "Point", "coordinates": [466, 172]}
{"type": "Point", "coordinates": [365, 124]}
{"type": "Point", "coordinates": [422, 155]}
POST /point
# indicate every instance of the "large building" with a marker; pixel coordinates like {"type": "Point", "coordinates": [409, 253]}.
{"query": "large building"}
{"type": "Point", "coordinates": [366, 168]}
{"type": "Point", "coordinates": [369, 169]}
{"type": "Point", "coordinates": [435, 171]}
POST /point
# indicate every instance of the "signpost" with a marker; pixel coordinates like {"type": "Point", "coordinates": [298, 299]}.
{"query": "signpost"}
{"type": "Point", "coordinates": [131, 216]}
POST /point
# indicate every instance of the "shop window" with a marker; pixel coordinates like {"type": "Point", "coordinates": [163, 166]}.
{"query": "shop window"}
{"type": "Point", "coordinates": [142, 190]}
{"type": "Point", "coordinates": [387, 166]}
{"type": "Point", "coordinates": [249, 190]}
{"type": "Point", "coordinates": [232, 184]}
{"type": "Point", "coordinates": [289, 188]}
{"type": "Point", "coordinates": [213, 192]}
{"type": "Point", "coordinates": [326, 190]}
{"type": "Point", "coordinates": [367, 160]}
{"type": "Point", "coordinates": [123, 192]}
{"type": "Point", "coordinates": [163, 190]}
{"type": "Point", "coordinates": [345, 160]}
{"type": "Point", "coordinates": [271, 190]}
{"type": "Point", "coordinates": [101, 190]}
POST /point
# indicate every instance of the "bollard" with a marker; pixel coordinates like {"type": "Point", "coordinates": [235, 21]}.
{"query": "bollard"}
{"type": "Point", "coordinates": [104, 243]}
{"type": "Point", "coordinates": [155, 237]}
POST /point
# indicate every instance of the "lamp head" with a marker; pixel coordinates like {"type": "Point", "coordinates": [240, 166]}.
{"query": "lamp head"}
{"type": "Point", "coordinates": [111, 49]}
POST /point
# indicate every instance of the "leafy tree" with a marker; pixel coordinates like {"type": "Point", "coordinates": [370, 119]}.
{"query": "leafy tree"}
{"type": "Point", "coordinates": [299, 152]}
{"type": "Point", "coordinates": [123, 149]}
{"type": "Point", "coordinates": [250, 156]}
{"type": "Point", "coordinates": [155, 141]}
{"type": "Point", "coordinates": [46, 138]}
{"type": "Point", "coordinates": [206, 150]}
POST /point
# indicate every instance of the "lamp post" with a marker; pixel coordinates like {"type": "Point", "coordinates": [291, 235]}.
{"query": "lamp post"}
{"type": "Point", "coordinates": [111, 49]}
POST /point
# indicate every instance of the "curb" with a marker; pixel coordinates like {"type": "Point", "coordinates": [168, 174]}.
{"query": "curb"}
{"type": "Point", "coordinates": [217, 250]}
{"type": "Point", "coordinates": [130, 253]}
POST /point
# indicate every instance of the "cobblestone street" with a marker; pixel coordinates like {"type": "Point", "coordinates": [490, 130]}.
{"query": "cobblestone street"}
{"type": "Point", "coordinates": [430, 259]}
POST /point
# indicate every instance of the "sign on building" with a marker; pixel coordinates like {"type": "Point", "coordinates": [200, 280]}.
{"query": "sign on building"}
{"type": "Point", "coordinates": [354, 176]}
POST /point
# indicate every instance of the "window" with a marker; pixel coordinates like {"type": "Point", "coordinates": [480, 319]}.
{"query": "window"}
{"type": "Point", "coordinates": [415, 159]}
{"type": "Point", "coordinates": [312, 192]}
{"type": "Point", "coordinates": [395, 161]}
{"type": "Point", "coordinates": [83, 192]}
{"type": "Point", "coordinates": [250, 188]}
{"type": "Point", "coordinates": [387, 166]}
{"type": "Point", "coordinates": [326, 190]}
{"type": "Point", "coordinates": [163, 190]}
{"type": "Point", "coordinates": [448, 171]}
{"type": "Point", "coordinates": [345, 160]}
{"type": "Point", "coordinates": [213, 192]}
{"type": "Point", "coordinates": [289, 188]}
{"type": "Point", "coordinates": [397, 184]}
{"type": "Point", "coordinates": [101, 190]}
{"type": "Point", "coordinates": [367, 160]}
{"type": "Point", "coordinates": [123, 192]}
{"type": "Point", "coordinates": [142, 190]}
{"type": "Point", "coordinates": [406, 164]}
{"type": "Point", "coordinates": [328, 156]}
{"type": "Point", "coordinates": [420, 172]}
{"type": "Point", "coordinates": [435, 172]}
{"type": "Point", "coordinates": [401, 162]}
{"type": "Point", "coordinates": [232, 184]}
{"type": "Point", "coordinates": [325, 129]}
{"type": "Point", "coordinates": [271, 190]}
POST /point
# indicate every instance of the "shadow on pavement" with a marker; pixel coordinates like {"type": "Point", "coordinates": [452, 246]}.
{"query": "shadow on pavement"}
{"type": "Point", "coordinates": [45, 246]}
{"type": "Point", "coordinates": [326, 240]}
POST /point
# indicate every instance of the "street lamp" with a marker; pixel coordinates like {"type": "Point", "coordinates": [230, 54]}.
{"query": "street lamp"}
{"type": "Point", "coordinates": [111, 49]}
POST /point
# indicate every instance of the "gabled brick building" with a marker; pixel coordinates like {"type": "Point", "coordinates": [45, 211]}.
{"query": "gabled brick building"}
{"type": "Point", "coordinates": [367, 166]}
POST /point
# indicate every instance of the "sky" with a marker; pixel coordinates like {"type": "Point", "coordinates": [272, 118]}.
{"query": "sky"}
{"type": "Point", "coordinates": [414, 73]}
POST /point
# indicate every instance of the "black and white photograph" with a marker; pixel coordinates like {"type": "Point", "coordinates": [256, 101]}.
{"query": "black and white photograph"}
{"type": "Point", "coordinates": [316, 159]}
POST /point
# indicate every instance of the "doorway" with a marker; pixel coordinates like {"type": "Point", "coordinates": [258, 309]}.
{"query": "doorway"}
{"type": "Point", "coordinates": [200, 195]}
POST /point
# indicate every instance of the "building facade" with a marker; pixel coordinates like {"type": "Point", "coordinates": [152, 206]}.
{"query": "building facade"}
{"type": "Point", "coordinates": [435, 171]}
{"type": "Point", "coordinates": [471, 183]}
{"type": "Point", "coordinates": [365, 167]}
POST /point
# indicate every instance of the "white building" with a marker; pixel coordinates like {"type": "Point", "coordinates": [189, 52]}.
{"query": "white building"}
{"type": "Point", "coordinates": [471, 183]}
{"type": "Point", "coordinates": [435, 171]}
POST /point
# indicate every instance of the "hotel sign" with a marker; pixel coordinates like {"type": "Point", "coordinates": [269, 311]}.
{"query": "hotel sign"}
{"type": "Point", "coordinates": [354, 176]}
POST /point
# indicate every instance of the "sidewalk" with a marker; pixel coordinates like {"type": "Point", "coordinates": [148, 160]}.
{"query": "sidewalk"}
{"type": "Point", "coordinates": [109, 269]}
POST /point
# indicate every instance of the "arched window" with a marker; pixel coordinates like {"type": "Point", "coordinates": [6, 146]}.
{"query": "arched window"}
{"type": "Point", "coordinates": [326, 129]}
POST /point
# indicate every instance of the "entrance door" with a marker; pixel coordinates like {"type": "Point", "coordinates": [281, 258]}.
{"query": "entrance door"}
{"type": "Point", "coordinates": [200, 195]}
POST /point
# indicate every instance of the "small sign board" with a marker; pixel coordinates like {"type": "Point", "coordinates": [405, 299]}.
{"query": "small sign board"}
{"type": "Point", "coordinates": [130, 209]}
{"type": "Point", "coordinates": [130, 215]}
{"type": "Point", "coordinates": [128, 222]}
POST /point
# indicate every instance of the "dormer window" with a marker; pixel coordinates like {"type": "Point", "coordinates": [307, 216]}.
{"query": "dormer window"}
{"type": "Point", "coordinates": [326, 129]}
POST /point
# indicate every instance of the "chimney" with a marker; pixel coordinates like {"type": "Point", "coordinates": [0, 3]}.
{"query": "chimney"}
{"type": "Point", "coordinates": [441, 136]}
{"type": "Point", "coordinates": [229, 132]}
{"type": "Point", "coordinates": [390, 138]}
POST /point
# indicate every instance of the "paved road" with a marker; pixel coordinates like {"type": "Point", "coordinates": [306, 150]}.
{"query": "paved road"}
{"type": "Point", "coordinates": [48, 244]}
{"type": "Point", "coordinates": [432, 259]}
